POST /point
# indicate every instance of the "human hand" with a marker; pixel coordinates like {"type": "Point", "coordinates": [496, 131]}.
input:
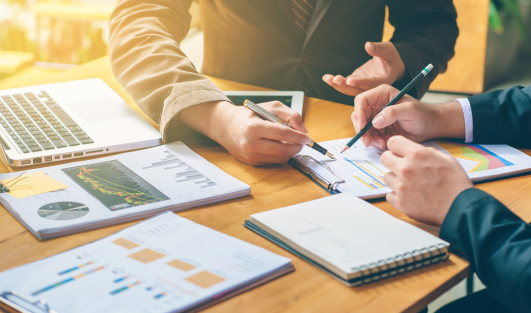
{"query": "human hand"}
{"type": "Point", "coordinates": [248, 138]}
{"type": "Point", "coordinates": [385, 67]}
{"type": "Point", "coordinates": [425, 182]}
{"type": "Point", "coordinates": [410, 118]}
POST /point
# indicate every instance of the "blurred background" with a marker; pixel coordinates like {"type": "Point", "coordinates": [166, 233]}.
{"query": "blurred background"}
{"type": "Point", "coordinates": [41, 38]}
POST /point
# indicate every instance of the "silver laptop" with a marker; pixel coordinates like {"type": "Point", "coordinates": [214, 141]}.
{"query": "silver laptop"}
{"type": "Point", "coordinates": [50, 123]}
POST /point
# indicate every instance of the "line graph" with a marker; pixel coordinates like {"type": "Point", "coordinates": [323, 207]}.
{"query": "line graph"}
{"type": "Point", "coordinates": [113, 184]}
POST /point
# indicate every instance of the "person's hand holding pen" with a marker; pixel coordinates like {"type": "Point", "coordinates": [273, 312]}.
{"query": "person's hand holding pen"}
{"type": "Point", "coordinates": [248, 138]}
{"type": "Point", "coordinates": [410, 118]}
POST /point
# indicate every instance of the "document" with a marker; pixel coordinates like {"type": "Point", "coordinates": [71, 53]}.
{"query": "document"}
{"type": "Point", "coordinates": [363, 173]}
{"type": "Point", "coordinates": [121, 188]}
{"type": "Point", "coordinates": [164, 264]}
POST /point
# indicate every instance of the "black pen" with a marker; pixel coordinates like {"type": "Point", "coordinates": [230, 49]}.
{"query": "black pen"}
{"type": "Point", "coordinates": [268, 116]}
{"type": "Point", "coordinates": [399, 96]}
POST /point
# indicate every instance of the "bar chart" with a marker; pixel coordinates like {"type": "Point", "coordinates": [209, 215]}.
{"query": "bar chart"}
{"type": "Point", "coordinates": [185, 174]}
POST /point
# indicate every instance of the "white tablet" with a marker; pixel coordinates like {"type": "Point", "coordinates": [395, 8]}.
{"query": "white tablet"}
{"type": "Point", "coordinates": [292, 99]}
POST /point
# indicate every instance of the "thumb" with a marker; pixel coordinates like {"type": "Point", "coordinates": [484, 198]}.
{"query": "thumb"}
{"type": "Point", "coordinates": [392, 114]}
{"type": "Point", "coordinates": [383, 50]}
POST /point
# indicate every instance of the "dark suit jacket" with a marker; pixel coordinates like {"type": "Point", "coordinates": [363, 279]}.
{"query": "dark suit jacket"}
{"type": "Point", "coordinates": [503, 116]}
{"type": "Point", "coordinates": [494, 240]}
{"type": "Point", "coordinates": [254, 42]}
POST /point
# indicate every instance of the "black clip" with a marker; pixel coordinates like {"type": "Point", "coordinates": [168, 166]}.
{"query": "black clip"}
{"type": "Point", "coordinates": [5, 187]}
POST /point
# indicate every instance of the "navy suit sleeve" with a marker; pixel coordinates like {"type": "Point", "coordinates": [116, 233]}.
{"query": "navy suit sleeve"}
{"type": "Point", "coordinates": [496, 242]}
{"type": "Point", "coordinates": [503, 116]}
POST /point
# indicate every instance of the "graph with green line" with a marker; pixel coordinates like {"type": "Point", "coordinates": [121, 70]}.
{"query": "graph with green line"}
{"type": "Point", "coordinates": [114, 185]}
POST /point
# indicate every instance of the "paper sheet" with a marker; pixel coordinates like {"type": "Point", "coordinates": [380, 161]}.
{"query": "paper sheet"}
{"type": "Point", "coordinates": [164, 264]}
{"type": "Point", "coordinates": [363, 172]}
{"type": "Point", "coordinates": [122, 187]}
{"type": "Point", "coordinates": [35, 184]}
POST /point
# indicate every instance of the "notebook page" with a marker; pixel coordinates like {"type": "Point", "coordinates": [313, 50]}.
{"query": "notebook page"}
{"type": "Point", "coordinates": [345, 232]}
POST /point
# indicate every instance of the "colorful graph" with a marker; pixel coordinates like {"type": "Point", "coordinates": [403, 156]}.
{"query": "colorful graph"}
{"type": "Point", "coordinates": [75, 268]}
{"type": "Point", "coordinates": [71, 279]}
{"type": "Point", "coordinates": [116, 186]}
{"type": "Point", "coordinates": [487, 160]}
{"type": "Point", "coordinates": [374, 175]}
{"type": "Point", "coordinates": [124, 288]}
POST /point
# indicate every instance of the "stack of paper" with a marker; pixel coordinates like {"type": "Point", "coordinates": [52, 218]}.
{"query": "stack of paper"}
{"type": "Point", "coordinates": [164, 264]}
{"type": "Point", "coordinates": [116, 189]}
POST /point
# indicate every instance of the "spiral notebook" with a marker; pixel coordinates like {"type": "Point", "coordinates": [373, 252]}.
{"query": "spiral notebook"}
{"type": "Point", "coordinates": [350, 239]}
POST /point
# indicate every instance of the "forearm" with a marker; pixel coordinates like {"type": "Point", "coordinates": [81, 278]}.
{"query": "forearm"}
{"type": "Point", "coordinates": [147, 60]}
{"type": "Point", "coordinates": [207, 118]}
{"type": "Point", "coordinates": [497, 244]}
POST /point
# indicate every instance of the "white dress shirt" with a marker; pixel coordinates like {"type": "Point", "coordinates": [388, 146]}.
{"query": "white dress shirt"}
{"type": "Point", "coordinates": [469, 125]}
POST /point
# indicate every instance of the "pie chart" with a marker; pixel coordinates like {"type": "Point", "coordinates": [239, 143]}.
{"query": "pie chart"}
{"type": "Point", "coordinates": [61, 211]}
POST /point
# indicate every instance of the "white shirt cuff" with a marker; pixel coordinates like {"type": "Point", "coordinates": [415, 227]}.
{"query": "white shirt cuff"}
{"type": "Point", "coordinates": [469, 125]}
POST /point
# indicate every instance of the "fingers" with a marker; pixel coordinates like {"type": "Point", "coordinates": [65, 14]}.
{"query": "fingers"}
{"type": "Point", "coordinates": [268, 130]}
{"type": "Point", "coordinates": [401, 146]}
{"type": "Point", "coordinates": [388, 116]}
{"type": "Point", "coordinates": [338, 83]}
{"type": "Point", "coordinates": [391, 160]}
{"type": "Point", "coordinates": [286, 114]}
{"type": "Point", "coordinates": [271, 148]}
{"type": "Point", "coordinates": [365, 82]}
{"type": "Point", "coordinates": [392, 181]}
{"type": "Point", "coordinates": [385, 50]}
{"type": "Point", "coordinates": [359, 118]}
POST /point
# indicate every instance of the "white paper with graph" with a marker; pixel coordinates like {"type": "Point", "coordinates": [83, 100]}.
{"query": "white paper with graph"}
{"type": "Point", "coordinates": [164, 264]}
{"type": "Point", "coordinates": [121, 188]}
{"type": "Point", "coordinates": [363, 172]}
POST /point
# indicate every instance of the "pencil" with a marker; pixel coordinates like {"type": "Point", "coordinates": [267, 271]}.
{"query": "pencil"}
{"type": "Point", "coordinates": [399, 96]}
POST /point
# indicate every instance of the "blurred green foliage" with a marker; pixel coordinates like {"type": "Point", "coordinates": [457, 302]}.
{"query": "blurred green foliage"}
{"type": "Point", "coordinates": [512, 8]}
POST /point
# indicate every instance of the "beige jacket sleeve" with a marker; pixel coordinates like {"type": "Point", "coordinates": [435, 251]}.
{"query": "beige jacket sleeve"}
{"type": "Point", "coordinates": [147, 60]}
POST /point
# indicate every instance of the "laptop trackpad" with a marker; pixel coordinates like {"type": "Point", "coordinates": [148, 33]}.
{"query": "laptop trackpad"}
{"type": "Point", "coordinates": [102, 110]}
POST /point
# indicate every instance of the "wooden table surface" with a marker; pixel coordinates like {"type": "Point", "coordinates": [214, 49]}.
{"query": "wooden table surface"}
{"type": "Point", "coordinates": [307, 289]}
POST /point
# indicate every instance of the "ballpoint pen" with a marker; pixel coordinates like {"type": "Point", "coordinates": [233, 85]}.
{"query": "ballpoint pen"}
{"type": "Point", "coordinates": [266, 115]}
{"type": "Point", "coordinates": [399, 96]}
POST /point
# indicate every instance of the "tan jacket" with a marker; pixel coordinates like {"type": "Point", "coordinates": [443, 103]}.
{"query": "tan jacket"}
{"type": "Point", "coordinates": [254, 42]}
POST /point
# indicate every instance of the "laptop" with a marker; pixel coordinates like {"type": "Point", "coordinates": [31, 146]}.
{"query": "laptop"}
{"type": "Point", "coordinates": [55, 122]}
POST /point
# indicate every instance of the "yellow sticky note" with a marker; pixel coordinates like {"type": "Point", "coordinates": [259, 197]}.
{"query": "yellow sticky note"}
{"type": "Point", "coordinates": [36, 183]}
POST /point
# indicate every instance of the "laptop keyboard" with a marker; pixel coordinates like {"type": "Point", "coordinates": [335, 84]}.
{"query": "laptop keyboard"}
{"type": "Point", "coordinates": [38, 123]}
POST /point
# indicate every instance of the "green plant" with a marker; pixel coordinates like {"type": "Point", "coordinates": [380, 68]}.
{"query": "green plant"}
{"type": "Point", "coordinates": [513, 11]}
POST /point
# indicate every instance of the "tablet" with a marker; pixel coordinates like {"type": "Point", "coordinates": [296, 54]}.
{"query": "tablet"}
{"type": "Point", "coordinates": [292, 99]}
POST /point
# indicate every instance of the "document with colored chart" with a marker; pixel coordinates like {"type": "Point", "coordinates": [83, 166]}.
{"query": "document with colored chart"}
{"type": "Point", "coordinates": [164, 264]}
{"type": "Point", "coordinates": [363, 173]}
{"type": "Point", "coordinates": [115, 189]}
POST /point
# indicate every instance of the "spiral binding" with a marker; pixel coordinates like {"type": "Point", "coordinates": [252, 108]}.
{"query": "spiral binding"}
{"type": "Point", "coordinates": [400, 264]}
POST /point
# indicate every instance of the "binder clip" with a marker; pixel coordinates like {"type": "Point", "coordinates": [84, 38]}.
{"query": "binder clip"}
{"type": "Point", "coordinates": [5, 187]}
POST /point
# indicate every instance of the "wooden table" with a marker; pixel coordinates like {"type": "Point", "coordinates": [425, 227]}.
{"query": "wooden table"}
{"type": "Point", "coordinates": [307, 289]}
